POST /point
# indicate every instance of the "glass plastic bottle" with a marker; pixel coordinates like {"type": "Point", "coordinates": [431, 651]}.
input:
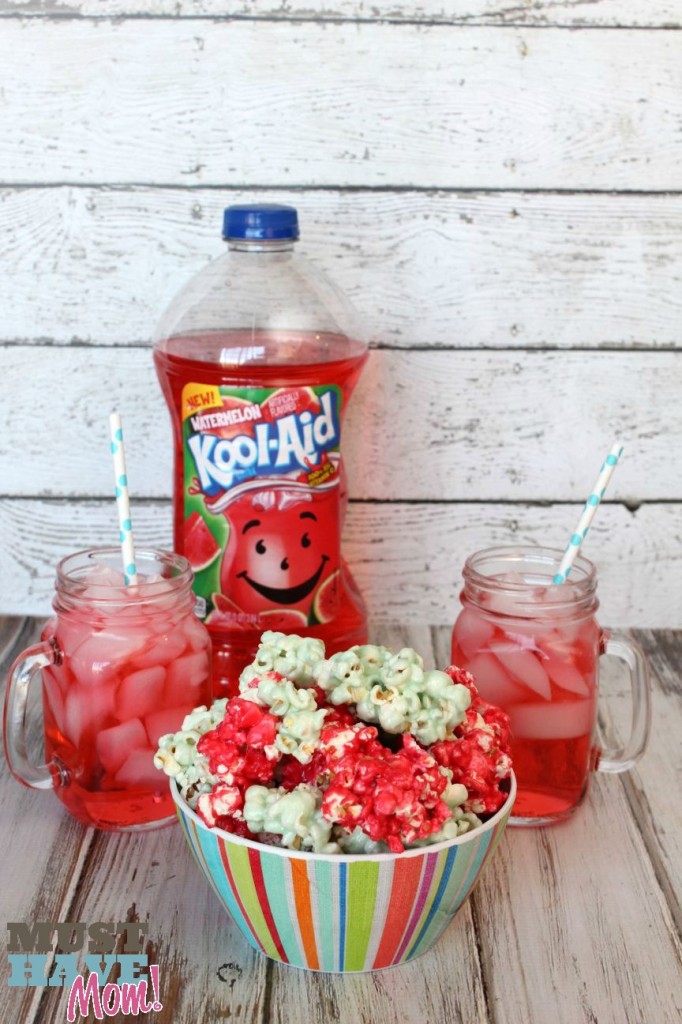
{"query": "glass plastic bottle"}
{"type": "Point", "coordinates": [257, 357]}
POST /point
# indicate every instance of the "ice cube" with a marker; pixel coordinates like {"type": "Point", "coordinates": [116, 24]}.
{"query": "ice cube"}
{"type": "Point", "coordinates": [138, 770]}
{"type": "Point", "coordinates": [71, 633]}
{"type": "Point", "coordinates": [524, 667]}
{"type": "Point", "coordinates": [115, 744]}
{"type": "Point", "coordinates": [159, 723]}
{"type": "Point", "coordinates": [53, 703]}
{"type": "Point", "coordinates": [472, 632]}
{"type": "Point", "coordinates": [140, 692]}
{"type": "Point", "coordinates": [565, 675]}
{"type": "Point", "coordinates": [504, 603]}
{"type": "Point", "coordinates": [195, 632]}
{"type": "Point", "coordinates": [186, 676]}
{"type": "Point", "coordinates": [561, 720]}
{"type": "Point", "coordinates": [86, 711]}
{"type": "Point", "coordinates": [99, 656]}
{"type": "Point", "coordinates": [164, 650]}
{"type": "Point", "coordinates": [493, 682]}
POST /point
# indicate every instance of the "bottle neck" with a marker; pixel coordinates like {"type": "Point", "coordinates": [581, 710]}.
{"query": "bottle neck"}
{"type": "Point", "coordinates": [260, 244]}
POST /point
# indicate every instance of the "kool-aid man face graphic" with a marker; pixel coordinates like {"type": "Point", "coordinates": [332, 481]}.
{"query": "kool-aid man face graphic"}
{"type": "Point", "coordinates": [283, 545]}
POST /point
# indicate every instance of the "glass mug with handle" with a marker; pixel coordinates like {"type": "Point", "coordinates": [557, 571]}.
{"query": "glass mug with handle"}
{"type": "Point", "coordinates": [533, 649]}
{"type": "Point", "coordinates": [121, 666]}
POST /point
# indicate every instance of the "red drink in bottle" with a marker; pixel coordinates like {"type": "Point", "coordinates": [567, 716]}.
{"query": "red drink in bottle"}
{"type": "Point", "coordinates": [257, 359]}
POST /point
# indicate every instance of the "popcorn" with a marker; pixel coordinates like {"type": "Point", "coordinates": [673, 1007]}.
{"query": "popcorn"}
{"type": "Point", "coordinates": [395, 691]}
{"type": "Point", "coordinates": [392, 797]}
{"type": "Point", "coordinates": [177, 753]}
{"type": "Point", "coordinates": [302, 721]}
{"type": "Point", "coordinates": [295, 816]}
{"type": "Point", "coordinates": [479, 756]}
{"type": "Point", "coordinates": [361, 752]}
{"type": "Point", "coordinates": [293, 657]}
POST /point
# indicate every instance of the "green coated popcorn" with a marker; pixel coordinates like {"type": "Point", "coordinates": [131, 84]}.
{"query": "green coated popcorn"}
{"type": "Point", "coordinates": [295, 816]}
{"type": "Point", "coordinates": [177, 754]}
{"type": "Point", "coordinates": [404, 668]}
{"type": "Point", "coordinates": [292, 656]}
{"type": "Point", "coordinates": [457, 825]}
{"type": "Point", "coordinates": [394, 691]}
{"type": "Point", "coordinates": [302, 720]}
{"type": "Point", "coordinates": [357, 841]}
{"type": "Point", "coordinates": [454, 793]}
{"type": "Point", "coordinates": [349, 675]}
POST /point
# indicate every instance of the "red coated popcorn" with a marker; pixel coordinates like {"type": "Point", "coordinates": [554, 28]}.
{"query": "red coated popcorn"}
{"type": "Point", "coordinates": [478, 754]}
{"type": "Point", "coordinates": [240, 750]}
{"type": "Point", "coordinates": [289, 765]}
{"type": "Point", "coordinates": [392, 797]}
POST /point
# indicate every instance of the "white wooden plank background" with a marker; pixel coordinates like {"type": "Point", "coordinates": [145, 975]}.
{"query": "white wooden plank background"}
{"type": "Point", "coordinates": [339, 104]}
{"type": "Point", "coordinates": [490, 181]}
{"type": "Point", "coordinates": [526, 12]}
{"type": "Point", "coordinates": [425, 425]}
{"type": "Point", "coordinates": [423, 269]}
{"type": "Point", "coordinates": [406, 557]}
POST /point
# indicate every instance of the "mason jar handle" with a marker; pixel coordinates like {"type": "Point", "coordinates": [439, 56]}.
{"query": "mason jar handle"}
{"type": "Point", "coordinates": [24, 670]}
{"type": "Point", "coordinates": [626, 650]}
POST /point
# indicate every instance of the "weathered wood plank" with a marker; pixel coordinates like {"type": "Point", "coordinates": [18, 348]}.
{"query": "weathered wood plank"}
{"type": "Point", "coordinates": [406, 558]}
{"type": "Point", "coordinates": [207, 971]}
{"type": "Point", "coordinates": [584, 952]}
{"type": "Point", "coordinates": [652, 788]}
{"type": "Point", "coordinates": [424, 425]}
{"type": "Point", "coordinates": [423, 269]}
{"type": "Point", "coordinates": [471, 107]}
{"type": "Point", "coordinates": [495, 12]}
{"type": "Point", "coordinates": [42, 849]}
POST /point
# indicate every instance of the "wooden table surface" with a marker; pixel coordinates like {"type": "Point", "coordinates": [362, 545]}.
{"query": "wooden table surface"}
{"type": "Point", "coordinates": [575, 924]}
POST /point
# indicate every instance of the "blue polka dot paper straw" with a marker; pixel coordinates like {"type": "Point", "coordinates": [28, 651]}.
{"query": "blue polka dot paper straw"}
{"type": "Point", "coordinates": [122, 499]}
{"type": "Point", "coordinates": [588, 513]}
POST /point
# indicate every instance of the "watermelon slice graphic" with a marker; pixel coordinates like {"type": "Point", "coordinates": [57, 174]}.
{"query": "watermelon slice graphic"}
{"type": "Point", "coordinates": [283, 620]}
{"type": "Point", "coordinates": [326, 601]}
{"type": "Point", "coordinates": [226, 614]}
{"type": "Point", "coordinates": [201, 547]}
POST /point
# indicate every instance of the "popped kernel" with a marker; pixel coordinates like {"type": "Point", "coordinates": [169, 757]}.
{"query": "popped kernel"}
{"type": "Point", "coordinates": [392, 797]}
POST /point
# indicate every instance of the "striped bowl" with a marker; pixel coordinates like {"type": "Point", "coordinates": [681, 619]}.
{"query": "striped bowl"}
{"type": "Point", "coordinates": [341, 913]}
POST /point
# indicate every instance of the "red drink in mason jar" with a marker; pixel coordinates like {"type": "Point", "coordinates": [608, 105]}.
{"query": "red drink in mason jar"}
{"type": "Point", "coordinates": [121, 666]}
{"type": "Point", "coordinates": [544, 674]}
{"type": "Point", "coordinates": [533, 649]}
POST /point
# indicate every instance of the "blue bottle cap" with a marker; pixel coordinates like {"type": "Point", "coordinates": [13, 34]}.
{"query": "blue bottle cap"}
{"type": "Point", "coordinates": [260, 221]}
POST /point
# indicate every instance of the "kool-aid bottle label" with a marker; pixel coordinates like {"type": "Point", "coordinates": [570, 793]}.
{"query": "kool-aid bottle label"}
{"type": "Point", "coordinates": [261, 498]}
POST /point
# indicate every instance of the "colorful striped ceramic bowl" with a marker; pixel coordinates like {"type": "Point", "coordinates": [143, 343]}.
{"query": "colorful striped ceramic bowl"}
{"type": "Point", "coordinates": [341, 913]}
